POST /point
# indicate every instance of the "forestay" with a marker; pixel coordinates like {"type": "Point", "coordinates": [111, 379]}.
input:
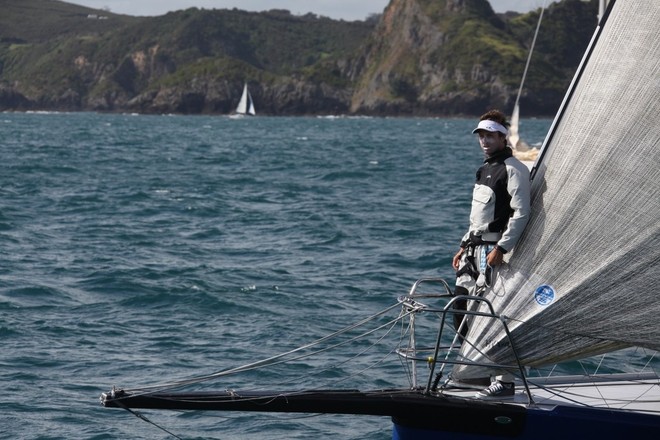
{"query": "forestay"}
{"type": "Point", "coordinates": [584, 278]}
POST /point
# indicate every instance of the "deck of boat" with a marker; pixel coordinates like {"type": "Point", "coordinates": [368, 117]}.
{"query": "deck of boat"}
{"type": "Point", "coordinates": [630, 392]}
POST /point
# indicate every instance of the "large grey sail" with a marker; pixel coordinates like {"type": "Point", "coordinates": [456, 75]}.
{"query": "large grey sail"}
{"type": "Point", "coordinates": [584, 279]}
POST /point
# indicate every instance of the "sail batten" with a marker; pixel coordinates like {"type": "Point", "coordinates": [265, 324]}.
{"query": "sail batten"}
{"type": "Point", "coordinates": [583, 279]}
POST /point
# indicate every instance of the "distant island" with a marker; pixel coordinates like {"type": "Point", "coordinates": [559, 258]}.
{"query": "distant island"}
{"type": "Point", "coordinates": [419, 58]}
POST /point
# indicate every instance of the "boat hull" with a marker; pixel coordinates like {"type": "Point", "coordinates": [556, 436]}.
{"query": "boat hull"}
{"type": "Point", "coordinates": [418, 416]}
{"type": "Point", "coordinates": [563, 422]}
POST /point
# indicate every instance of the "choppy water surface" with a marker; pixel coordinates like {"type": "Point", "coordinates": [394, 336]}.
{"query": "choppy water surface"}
{"type": "Point", "coordinates": [141, 249]}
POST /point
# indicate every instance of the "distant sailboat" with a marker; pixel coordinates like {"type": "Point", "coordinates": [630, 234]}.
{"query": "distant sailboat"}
{"type": "Point", "coordinates": [246, 104]}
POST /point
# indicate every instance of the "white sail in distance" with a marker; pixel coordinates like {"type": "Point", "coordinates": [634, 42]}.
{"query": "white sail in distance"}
{"type": "Point", "coordinates": [583, 280]}
{"type": "Point", "coordinates": [246, 105]}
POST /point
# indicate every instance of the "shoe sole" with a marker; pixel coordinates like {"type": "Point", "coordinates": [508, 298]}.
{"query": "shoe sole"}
{"type": "Point", "coordinates": [500, 397]}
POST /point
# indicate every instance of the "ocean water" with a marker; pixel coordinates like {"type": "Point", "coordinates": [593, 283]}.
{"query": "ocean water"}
{"type": "Point", "coordinates": [138, 249]}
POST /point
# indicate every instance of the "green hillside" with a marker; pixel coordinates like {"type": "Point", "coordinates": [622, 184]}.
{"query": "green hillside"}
{"type": "Point", "coordinates": [37, 21]}
{"type": "Point", "coordinates": [422, 57]}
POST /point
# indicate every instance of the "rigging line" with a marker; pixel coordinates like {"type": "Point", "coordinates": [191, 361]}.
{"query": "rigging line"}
{"type": "Point", "coordinates": [263, 362]}
{"type": "Point", "coordinates": [404, 334]}
{"type": "Point", "coordinates": [331, 347]}
{"type": "Point", "coordinates": [600, 363]}
{"type": "Point", "coordinates": [563, 394]}
{"type": "Point", "coordinates": [529, 55]}
{"type": "Point", "coordinates": [379, 340]}
{"type": "Point", "coordinates": [602, 358]}
{"type": "Point", "coordinates": [473, 345]}
{"type": "Point", "coordinates": [639, 398]}
{"type": "Point", "coordinates": [607, 401]}
{"type": "Point", "coordinates": [266, 424]}
{"type": "Point", "coordinates": [144, 418]}
{"type": "Point", "coordinates": [334, 382]}
{"type": "Point", "coordinates": [392, 323]}
{"type": "Point", "coordinates": [649, 361]}
{"type": "Point", "coordinates": [293, 393]}
{"type": "Point", "coordinates": [273, 360]}
{"type": "Point", "coordinates": [389, 330]}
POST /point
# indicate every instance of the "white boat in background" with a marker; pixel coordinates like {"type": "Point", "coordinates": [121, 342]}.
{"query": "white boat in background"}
{"type": "Point", "coordinates": [580, 287]}
{"type": "Point", "coordinates": [521, 149]}
{"type": "Point", "coordinates": [246, 104]}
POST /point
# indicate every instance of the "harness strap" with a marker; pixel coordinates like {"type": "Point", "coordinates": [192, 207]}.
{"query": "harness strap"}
{"type": "Point", "coordinates": [471, 268]}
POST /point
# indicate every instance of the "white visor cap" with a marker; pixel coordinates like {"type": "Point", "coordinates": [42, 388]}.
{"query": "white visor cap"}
{"type": "Point", "coordinates": [492, 126]}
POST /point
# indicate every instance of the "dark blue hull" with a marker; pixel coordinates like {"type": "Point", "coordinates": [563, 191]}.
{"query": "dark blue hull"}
{"type": "Point", "coordinates": [561, 423]}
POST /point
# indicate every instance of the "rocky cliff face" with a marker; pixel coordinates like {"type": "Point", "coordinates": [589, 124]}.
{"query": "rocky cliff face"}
{"type": "Point", "coordinates": [431, 57]}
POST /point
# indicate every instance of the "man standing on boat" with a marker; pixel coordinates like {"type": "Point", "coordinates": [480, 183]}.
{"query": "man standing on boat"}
{"type": "Point", "coordinates": [499, 214]}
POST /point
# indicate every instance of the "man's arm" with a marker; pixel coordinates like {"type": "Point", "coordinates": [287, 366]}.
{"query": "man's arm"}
{"type": "Point", "coordinates": [518, 187]}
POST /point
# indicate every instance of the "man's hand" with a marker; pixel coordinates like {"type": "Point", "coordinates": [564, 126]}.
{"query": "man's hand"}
{"type": "Point", "coordinates": [495, 257]}
{"type": "Point", "coordinates": [457, 259]}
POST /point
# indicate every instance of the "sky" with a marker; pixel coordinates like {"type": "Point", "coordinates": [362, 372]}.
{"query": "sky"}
{"type": "Point", "coordinates": [338, 9]}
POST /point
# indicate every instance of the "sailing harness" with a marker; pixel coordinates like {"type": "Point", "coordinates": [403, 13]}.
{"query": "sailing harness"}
{"type": "Point", "coordinates": [471, 266]}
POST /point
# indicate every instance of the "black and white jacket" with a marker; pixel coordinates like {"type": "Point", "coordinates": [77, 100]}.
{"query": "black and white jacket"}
{"type": "Point", "coordinates": [500, 201]}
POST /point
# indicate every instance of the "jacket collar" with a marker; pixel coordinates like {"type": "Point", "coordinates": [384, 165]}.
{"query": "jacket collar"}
{"type": "Point", "coordinates": [500, 156]}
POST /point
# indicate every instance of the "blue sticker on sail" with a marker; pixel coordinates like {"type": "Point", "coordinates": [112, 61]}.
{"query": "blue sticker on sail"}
{"type": "Point", "coordinates": [544, 295]}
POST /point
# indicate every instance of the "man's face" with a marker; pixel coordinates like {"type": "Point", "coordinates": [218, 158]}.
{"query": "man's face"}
{"type": "Point", "coordinates": [490, 142]}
